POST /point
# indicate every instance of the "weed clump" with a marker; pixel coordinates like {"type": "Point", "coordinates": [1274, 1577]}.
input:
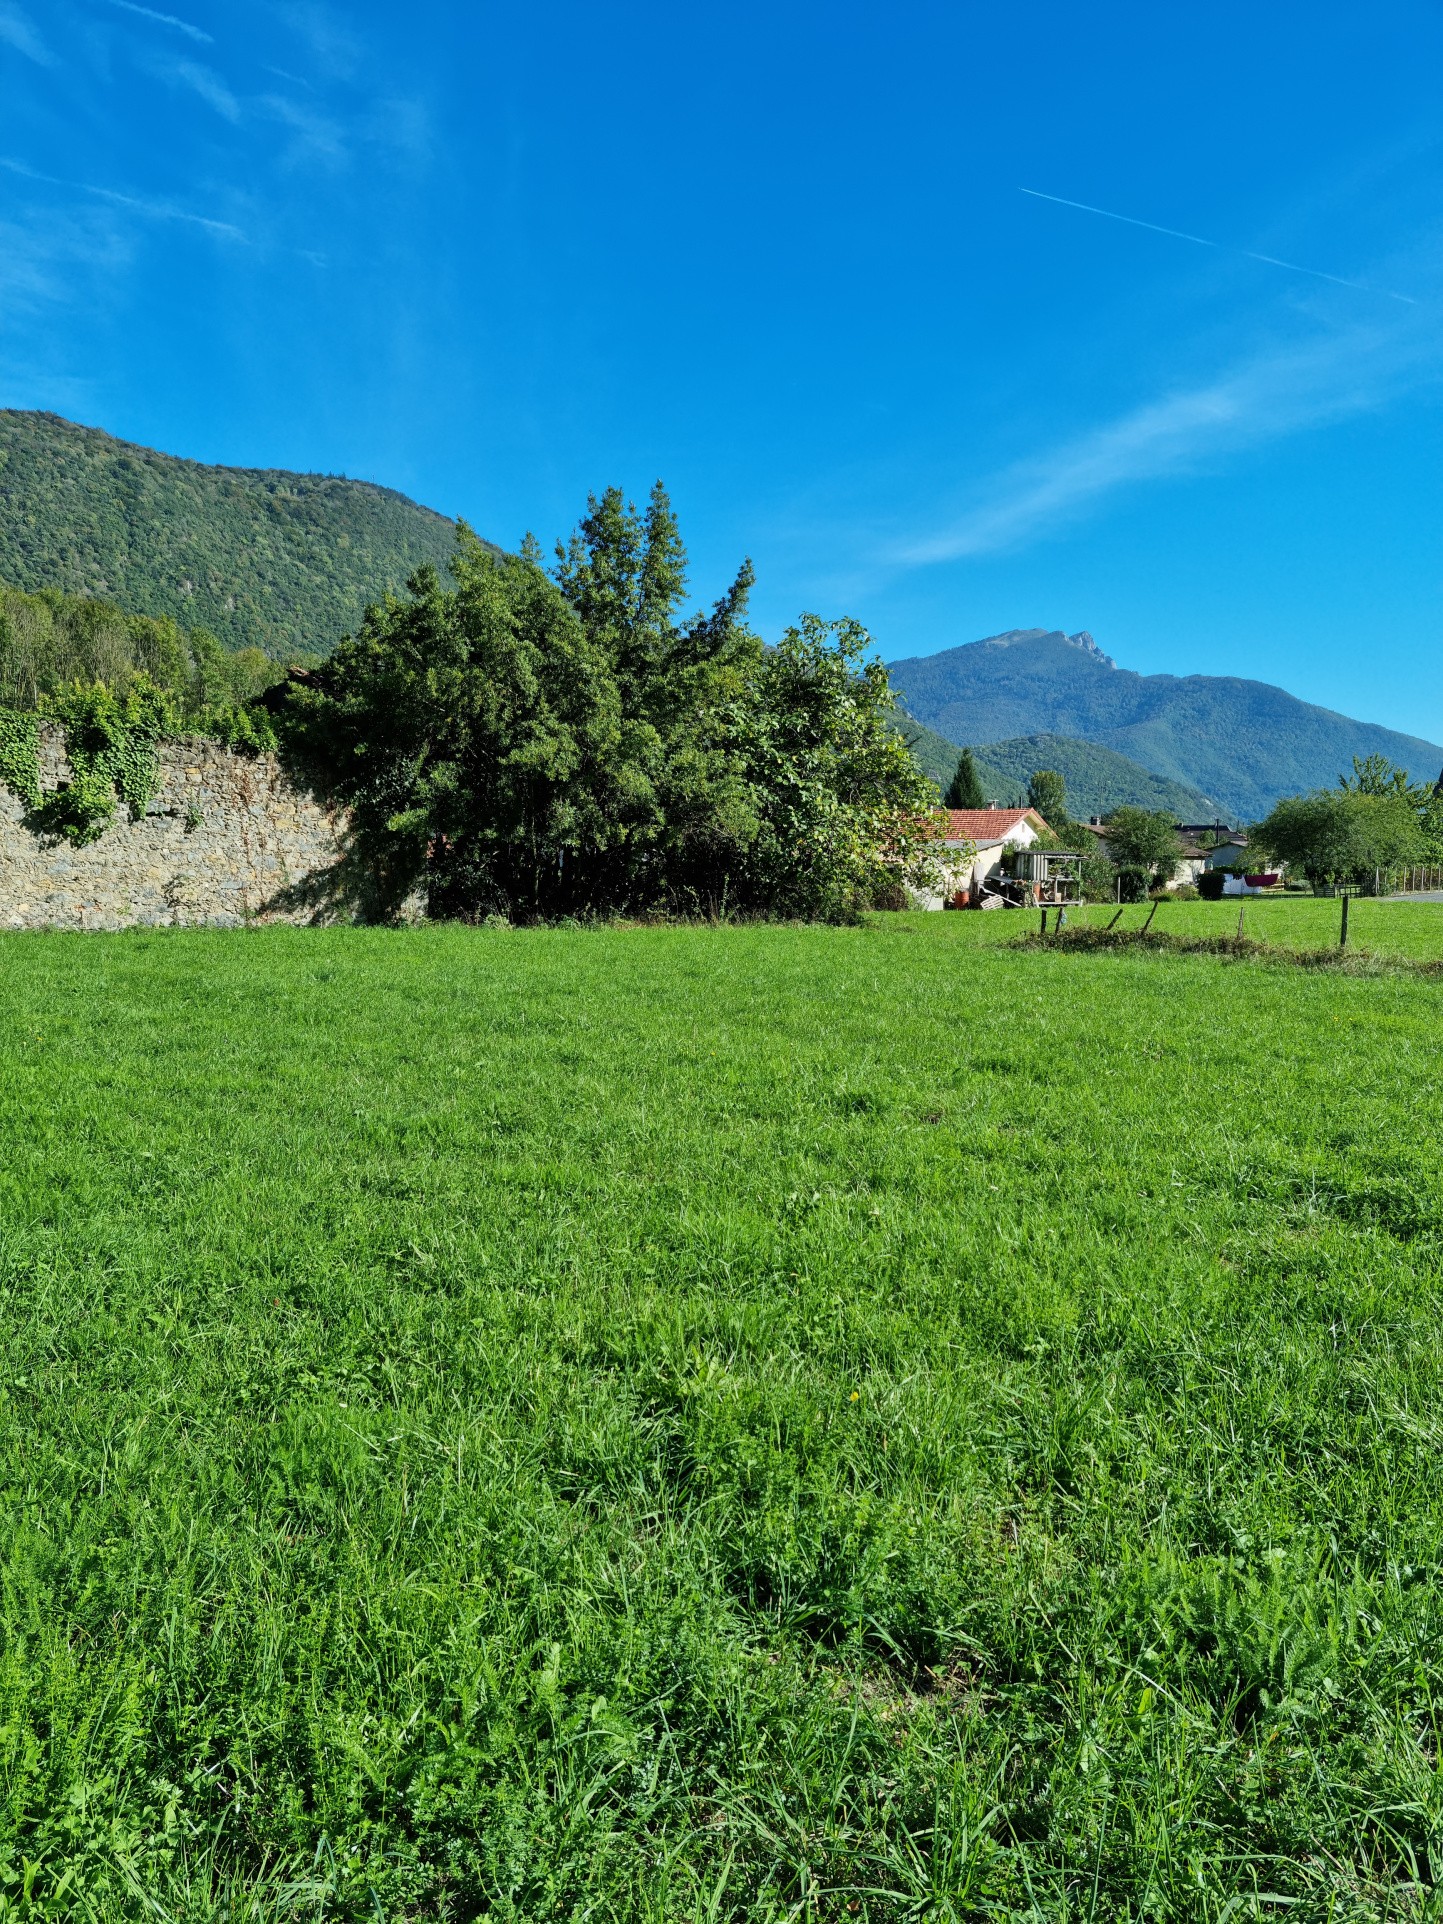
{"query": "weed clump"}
{"type": "Point", "coordinates": [1231, 948]}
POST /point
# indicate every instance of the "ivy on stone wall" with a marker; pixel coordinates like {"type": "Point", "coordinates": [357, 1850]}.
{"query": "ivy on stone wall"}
{"type": "Point", "coordinates": [111, 742]}
{"type": "Point", "coordinates": [20, 755]}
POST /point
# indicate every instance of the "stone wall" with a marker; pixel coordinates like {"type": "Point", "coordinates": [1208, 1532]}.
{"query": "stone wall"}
{"type": "Point", "coordinates": [227, 839]}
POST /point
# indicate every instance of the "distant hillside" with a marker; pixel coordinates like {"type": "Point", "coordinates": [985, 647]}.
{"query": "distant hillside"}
{"type": "Point", "coordinates": [262, 558]}
{"type": "Point", "coordinates": [933, 753]}
{"type": "Point", "coordinates": [1097, 779]}
{"type": "Point", "coordinates": [1244, 743]}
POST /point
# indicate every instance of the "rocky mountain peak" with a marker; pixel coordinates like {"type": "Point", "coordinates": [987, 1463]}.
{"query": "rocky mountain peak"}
{"type": "Point", "coordinates": [1084, 641]}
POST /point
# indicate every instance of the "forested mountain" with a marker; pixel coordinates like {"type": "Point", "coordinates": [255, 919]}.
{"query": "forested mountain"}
{"type": "Point", "coordinates": [282, 562]}
{"type": "Point", "coordinates": [1098, 779]}
{"type": "Point", "coordinates": [933, 753]}
{"type": "Point", "coordinates": [288, 563]}
{"type": "Point", "coordinates": [1245, 743]}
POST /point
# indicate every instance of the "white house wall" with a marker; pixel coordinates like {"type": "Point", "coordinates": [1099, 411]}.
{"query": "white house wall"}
{"type": "Point", "coordinates": [985, 868]}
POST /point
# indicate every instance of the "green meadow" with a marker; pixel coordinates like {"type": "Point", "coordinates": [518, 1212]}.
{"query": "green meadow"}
{"type": "Point", "coordinates": [720, 1423]}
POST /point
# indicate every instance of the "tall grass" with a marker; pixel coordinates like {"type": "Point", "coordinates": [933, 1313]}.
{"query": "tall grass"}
{"type": "Point", "coordinates": [699, 1424]}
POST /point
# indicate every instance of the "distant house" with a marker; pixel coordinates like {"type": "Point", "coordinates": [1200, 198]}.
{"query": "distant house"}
{"type": "Point", "coordinates": [1195, 859]}
{"type": "Point", "coordinates": [988, 831]}
{"type": "Point", "coordinates": [1227, 851]}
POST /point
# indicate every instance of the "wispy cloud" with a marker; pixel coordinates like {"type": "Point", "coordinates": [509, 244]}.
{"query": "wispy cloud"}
{"type": "Point", "coordinates": [330, 37]}
{"type": "Point", "coordinates": [41, 259]}
{"type": "Point", "coordinates": [151, 209]}
{"type": "Point", "coordinates": [317, 136]}
{"type": "Point", "coordinates": [165, 20]}
{"type": "Point", "coordinates": [17, 30]}
{"type": "Point", "coordinates": [1274, 393]}
{"type": "Point", "coordinates": [210, 87]}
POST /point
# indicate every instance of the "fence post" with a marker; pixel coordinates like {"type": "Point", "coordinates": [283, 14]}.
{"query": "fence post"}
{"type": "Point", "coordinates": [1044, 921]}
{"type": "Point", "coordinates": [1241, 912]}
{"type": "Point", "coordinates": [1343, 932]}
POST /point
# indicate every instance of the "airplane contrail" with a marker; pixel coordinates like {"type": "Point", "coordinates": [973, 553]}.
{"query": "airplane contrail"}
{"type": "Point", "coordinates": [165, 20]}
{"type": "Point", "coordinates": [1221, 247]}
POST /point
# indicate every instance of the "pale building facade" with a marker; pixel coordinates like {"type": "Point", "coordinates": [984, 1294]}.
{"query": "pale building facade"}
{"type": "Point", "coordinates": [973, 849]}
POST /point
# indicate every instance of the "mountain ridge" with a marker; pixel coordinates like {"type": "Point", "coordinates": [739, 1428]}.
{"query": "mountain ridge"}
{"type": "Point", "coordinates": [1246, 743]}
{"type": "Point", "coordinates": [263, 557]}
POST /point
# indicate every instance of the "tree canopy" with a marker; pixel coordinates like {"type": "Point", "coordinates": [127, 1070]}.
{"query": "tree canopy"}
{"type": "Point", "coordinates": [1144, 839]}
{"type": "Point", "coordinates": [537, 745]}
{"type": "Point", "coordinates": [1047, 793]}
{"type": "Point", "coordinates": [50, 641]}
{"type": "Point", "coordinates": [1344, 834]}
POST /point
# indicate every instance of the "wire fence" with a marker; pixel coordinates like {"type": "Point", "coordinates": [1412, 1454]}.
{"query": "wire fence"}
{"type": "Point", "coordinates": [1339, 918]}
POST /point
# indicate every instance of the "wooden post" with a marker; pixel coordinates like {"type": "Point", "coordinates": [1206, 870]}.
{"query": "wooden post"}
{"type": "Point", "coordinates": [1343, 932]}
{"type": "Point", "coordinates": [1242, 911]}
{"type": "Point", "coordinates": [1115, 920]}
{"type": "Point", "coordinates": [1044, 921]}
{"type": "Point", "coordinates": [1150, 914]}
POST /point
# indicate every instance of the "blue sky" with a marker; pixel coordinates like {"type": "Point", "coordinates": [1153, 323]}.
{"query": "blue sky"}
{"type": "Point", "coordinates": [778, 255]}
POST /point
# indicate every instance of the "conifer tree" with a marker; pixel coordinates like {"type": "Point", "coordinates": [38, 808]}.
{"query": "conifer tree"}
{"type": "Point", "coordinates": [965, 788]}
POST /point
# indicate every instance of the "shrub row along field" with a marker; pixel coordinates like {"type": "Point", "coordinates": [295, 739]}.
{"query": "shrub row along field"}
{"type": "Point", "coordinates": [684, 1423]}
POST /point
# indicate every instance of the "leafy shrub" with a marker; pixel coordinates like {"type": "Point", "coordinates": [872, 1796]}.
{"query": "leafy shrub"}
{"type": "Point", "coordinates": [250, 731]}
{"type": "Point", "coordinates": [1097, 875]}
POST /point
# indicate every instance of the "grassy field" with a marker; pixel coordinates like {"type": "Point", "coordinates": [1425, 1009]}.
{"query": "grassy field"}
{"type": "Point", "coordinates": [700, 1424]}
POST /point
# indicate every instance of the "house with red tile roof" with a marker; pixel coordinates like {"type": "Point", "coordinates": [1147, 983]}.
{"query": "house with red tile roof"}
{"type": "Point", "coordinates": [975, 841]}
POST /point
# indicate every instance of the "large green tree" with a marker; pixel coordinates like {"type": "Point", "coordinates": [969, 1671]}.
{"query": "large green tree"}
{"type": "Point", "coordinates": [1376, 775]}
{"type": "Point", "coordinates": [1145, 841]}
{"type": "Point", "coordinates": [536, 746]}
{"type": "Point", "coordinates": [1047, 793]}
{"type": "Point", "coordinates": [1344, 834]}
{"type": "Point", "coordinates": [844, 812]}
